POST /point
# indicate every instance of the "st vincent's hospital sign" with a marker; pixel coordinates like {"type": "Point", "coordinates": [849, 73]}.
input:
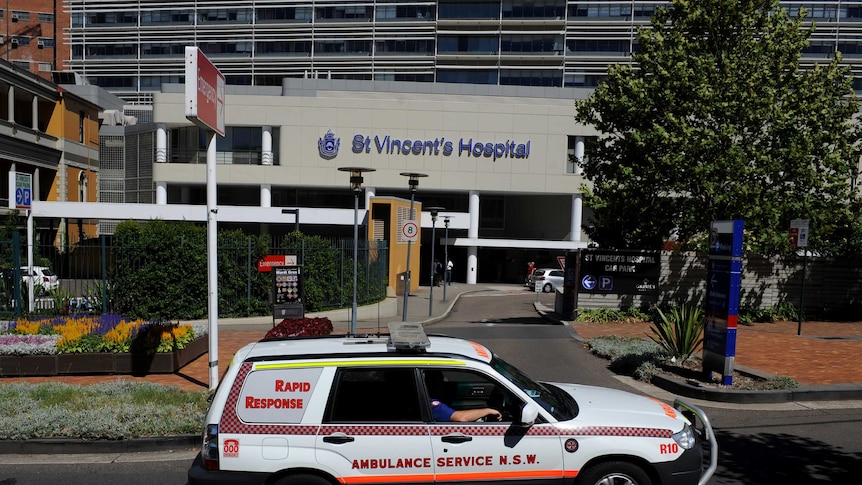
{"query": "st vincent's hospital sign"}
{"type": "Point", "coordinates": [385, 144]}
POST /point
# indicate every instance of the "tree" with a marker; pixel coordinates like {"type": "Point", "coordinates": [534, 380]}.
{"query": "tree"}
{"type": "Point", "coordinates": [717, 120]}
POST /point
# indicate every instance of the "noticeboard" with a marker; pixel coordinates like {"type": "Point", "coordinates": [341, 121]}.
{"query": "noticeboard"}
{"type": "Point", "coordinates": [287, 301]}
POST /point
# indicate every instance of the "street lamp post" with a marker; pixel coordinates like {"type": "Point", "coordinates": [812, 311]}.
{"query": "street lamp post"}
{"type": "Point", "coordinates": [434, 211]}
{"type": "Point", "coordinates": [413, 183]}
{"type": "Point", "coordinates": [355, 184]}
{"type": "Point", "coordinates": [447, 273]}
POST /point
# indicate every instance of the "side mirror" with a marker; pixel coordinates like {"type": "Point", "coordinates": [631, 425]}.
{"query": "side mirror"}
{"type": "Point", "coordinates": [529, 414]}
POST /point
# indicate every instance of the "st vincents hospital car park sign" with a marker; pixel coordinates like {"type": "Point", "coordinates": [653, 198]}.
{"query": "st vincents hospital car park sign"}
{"type": "Point", "coordinates": [619, 272]}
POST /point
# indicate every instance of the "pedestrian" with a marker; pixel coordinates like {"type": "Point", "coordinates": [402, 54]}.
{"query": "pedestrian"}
{"type": "Point", "coordinates": [449, 267]}
{"type": "Point", "coordinates": [438, 272]}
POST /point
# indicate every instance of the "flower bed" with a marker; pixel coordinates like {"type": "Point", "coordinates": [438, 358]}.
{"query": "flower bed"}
{"type": "Point", "coordinates": [107, 344]}
{"type": "Point", "coordinates": [301, 327]}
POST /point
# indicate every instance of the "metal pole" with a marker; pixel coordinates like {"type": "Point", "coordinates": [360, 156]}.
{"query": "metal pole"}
{"type": "Point", "coordinates": [355, 257]}
{"type": "Point", "coordinates": [212, 260]}
{"type": "Point", "coordinates": [447, 274]}
{"type": "Point", "coordinates": [802, 292]}
{"type": "Point", "coordinates": [433, 267]}
{"type": "Point", "coordinates": [407, 273]}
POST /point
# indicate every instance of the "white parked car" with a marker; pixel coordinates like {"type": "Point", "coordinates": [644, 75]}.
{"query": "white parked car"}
{"type": "Point", "coordinates": [44, 279]}
{"type": "Point", "coordinates": [361, 410]}
{"type": "Point", "coordinates": [547, 279]}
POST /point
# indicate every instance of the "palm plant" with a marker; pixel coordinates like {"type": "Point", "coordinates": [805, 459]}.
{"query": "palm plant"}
{"type": "Point", "coordinates": [680, 331]}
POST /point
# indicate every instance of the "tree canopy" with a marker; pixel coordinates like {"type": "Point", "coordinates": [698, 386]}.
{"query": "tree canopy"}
{"type": "Point", "coordinates": [717, 119]}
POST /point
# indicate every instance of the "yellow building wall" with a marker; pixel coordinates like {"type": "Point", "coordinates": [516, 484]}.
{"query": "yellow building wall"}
{"type": "Point", "coordinates": [384, 222]}
{"type": "Point", "coordinates": [66, 123]}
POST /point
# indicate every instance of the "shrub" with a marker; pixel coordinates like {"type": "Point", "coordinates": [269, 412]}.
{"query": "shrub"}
{"type": "Point", "coordinates": [607, 315]}
{"type": "Point", "coordinates": [301, 327]}
{"type": "Point", "coordinates": [680, 331]}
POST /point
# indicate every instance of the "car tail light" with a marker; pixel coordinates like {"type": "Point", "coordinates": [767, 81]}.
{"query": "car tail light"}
{"type": "Point", "coordinates": [209, 449]}
{"type": "Point", "coordinates": [46, 279]}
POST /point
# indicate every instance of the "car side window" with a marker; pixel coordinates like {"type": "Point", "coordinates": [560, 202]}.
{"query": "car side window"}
{"type": "Point", "coordinates": [464, 389]}
{"type": "Point", "coordinates": [386, 394]}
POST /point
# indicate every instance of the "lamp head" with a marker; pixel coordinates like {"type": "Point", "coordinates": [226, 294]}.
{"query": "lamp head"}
{"type": "Point", "coordinates": [356, 176]}
{"type": "Point", "coordinates": [413, 181]}
{"type": "Point", "coordinates": [434, 211]}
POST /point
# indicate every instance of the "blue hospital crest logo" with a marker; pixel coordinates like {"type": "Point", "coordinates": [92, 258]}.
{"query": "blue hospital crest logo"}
{"type": "Point", "coordinates": [328, 145]}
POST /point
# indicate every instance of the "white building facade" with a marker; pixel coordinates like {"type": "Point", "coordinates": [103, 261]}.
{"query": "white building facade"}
{"type": "Point", "coordinates": [501, 161]}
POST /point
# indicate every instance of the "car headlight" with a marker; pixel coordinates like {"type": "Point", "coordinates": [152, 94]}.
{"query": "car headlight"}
{"type": "Point", "coordinates": [685, 438]}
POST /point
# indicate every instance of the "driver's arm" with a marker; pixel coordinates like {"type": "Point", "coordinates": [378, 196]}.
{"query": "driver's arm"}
{"type": "Point", "coordinates": [466, 415]}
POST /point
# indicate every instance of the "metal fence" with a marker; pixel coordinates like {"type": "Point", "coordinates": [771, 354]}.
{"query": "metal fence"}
{"type": "Point", "coordinates": [88, 274]}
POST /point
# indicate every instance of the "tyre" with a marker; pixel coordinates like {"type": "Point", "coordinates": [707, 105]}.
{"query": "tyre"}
{"type": "Point", "coordinates": [614, 473]}
{"type": "Point", "coordinates": [547, 288]}
{"type": "Point", "coordinates": [302, 479]}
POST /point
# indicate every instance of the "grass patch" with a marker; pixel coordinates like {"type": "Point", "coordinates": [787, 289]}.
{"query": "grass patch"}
{"type": "Point", "coordinates": [111, 410]}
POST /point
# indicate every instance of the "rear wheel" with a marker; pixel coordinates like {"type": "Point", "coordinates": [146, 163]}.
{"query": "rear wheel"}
{"type": "Point", "coordinates": [614, 473]}
{"type": "Point", "coordinates": [547, 288]}
{"type": "Point", "coordinates": [302, 479]}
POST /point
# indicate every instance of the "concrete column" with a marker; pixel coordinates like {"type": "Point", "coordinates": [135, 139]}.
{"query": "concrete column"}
{"type": "Point", "coordinates": [265, 195]}
{"type": "Point", "coordinates": [35, 111]}
{"type": "Point", "coordinates": [369, 193]}
{"type": "Point", "coordinates": [577, 217]}
{"type": "Point", "coordinates": [266, 145]}
{"type": "Point", "coordinates": [161, 143]}
{"type": "Point", "coordinates": [579, 154]}
{"type": "Point", "coordinates": [10, 115]}
{"type": "Point", "coordinates": [473, 233]}
{"type": "Point", "coordinates": [161, 193]}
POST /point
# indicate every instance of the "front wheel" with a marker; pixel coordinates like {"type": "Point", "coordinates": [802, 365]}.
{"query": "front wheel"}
{"type": "Point", "coordinates": [614, 473]}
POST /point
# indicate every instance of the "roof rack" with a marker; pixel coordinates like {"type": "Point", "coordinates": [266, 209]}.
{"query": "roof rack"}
{"type": "Point", "coordinates": [408, 336]}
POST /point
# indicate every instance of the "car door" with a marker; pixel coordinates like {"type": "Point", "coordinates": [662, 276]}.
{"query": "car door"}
{"type": "Point", "coordinates": [373, 429]}
{"type": "Point", "coordinates": [489, 450]}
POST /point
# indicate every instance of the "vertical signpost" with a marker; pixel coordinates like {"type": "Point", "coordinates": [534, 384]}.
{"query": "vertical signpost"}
{"type": "Point", "coordinates": [723, 282]}
{"type": "Point", "coordinates": [799, 239]}
{"type": "Point", "coordinates": [23, 190]}
{"type": "Point", "coordinates": [204, 106]}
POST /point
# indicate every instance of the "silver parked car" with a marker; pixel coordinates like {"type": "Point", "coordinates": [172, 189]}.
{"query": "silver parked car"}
{"type": "Point", "coordinates": [547, 279]}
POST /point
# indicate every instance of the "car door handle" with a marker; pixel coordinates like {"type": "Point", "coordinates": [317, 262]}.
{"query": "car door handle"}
{"type": "Point", "coordinates": [338, 439]}
{"type": "Point", "coordinates": [457, 439]}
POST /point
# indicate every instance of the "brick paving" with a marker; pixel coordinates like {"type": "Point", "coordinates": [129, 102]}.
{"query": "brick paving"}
{"type": "Point", "coordinates": [825, 353]}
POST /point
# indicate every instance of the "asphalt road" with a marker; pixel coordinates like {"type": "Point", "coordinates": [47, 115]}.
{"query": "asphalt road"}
{"type": "Point", "coordinates": [809, 443]}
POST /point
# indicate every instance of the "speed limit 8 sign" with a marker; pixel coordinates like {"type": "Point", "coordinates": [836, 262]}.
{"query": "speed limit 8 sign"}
{"type": "Point", "coordinates": [409, 231]}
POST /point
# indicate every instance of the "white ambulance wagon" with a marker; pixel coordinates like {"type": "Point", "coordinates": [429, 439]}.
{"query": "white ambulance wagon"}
{"type": "Point", "coordinates": [361, 410]}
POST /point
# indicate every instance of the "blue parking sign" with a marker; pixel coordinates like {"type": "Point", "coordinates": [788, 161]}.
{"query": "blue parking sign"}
{"type": "Point", "coordinates": [606, 283]}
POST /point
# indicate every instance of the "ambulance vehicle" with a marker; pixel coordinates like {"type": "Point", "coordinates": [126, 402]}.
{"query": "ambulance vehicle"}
{"type": "Point", "coordinates": [346, 410]}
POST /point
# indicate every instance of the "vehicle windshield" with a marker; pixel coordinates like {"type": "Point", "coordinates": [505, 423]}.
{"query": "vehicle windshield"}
{"type": "Point", "coordinates": [554, 400]}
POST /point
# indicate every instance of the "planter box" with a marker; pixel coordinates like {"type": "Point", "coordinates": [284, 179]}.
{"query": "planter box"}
{"type": "Point", "coordinates": [103, 363]}
{"type": "Point", "coordinates": [28, 365]}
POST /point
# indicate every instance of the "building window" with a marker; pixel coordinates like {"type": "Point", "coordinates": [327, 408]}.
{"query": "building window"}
{"type": "Point", "coordinates": [20, 16]}
{"type": "Point", "coordinates": [492, 212]}
{"type": "Point", "coordinates": [81, 126]}
{"type": "Point", "coordinates": [82, 186]}
{"type": "Point", "coordinates": [46, 17]}
{"type": "Point", "coordinates": [572, 165]}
